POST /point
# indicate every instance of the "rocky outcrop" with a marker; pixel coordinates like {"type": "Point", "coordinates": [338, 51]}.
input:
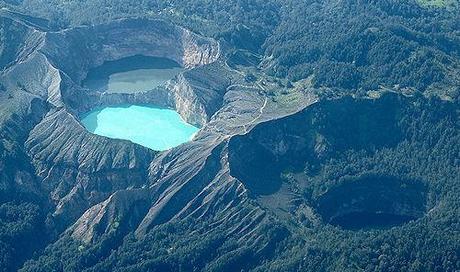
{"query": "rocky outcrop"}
{"type": "Point", "coordinates": [120, 212]}
{"type": "Point", "coordinates": [80, 169]}
{"type": "Point", "coordinates": [199, 93]}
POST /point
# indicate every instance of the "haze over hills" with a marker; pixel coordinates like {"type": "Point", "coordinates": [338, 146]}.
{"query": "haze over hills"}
{"type": "Point", "coordinates": [329, 137]}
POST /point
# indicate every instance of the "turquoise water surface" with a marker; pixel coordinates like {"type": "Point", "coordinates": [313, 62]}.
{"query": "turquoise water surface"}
{"type": "Point", "coordinates": [156, 128]}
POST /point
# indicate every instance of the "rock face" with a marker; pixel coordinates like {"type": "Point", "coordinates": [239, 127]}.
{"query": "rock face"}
{"type": "Point", "coordinates": [199, 93]}
{"type": "Point", "coordinates": [80, 169]}
{"type": "Point", "coordinates": [126, 38]}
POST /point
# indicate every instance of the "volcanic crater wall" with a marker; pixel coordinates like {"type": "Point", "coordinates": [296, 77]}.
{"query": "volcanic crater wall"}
{"type": "Point", "coordinates": [323, 132]}
{"type": "Point", "coordinates": [76, 168]}
{"type": "Point", "coordinates": [75, 51]}
{"type": "Point", "coordinates": [90, 46]}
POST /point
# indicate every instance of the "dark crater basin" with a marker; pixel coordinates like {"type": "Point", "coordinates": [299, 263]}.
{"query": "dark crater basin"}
{"type": "Point", "coordinates": [373, 202]}
{"type": "Point", "coordinates": [300, 146]}
{"type": "Point", "coordinates": [370, 220]}
{"type": "Point", "coordinates": [313, 135]}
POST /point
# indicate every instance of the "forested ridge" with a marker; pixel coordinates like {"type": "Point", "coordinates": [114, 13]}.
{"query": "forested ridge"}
{"type": "Point", "coordinates": [352, 45]}
{"type": "Point", "coordinates": [356, 45]}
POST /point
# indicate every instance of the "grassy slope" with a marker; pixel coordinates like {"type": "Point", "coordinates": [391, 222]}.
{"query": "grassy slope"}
{"type": "Point", "coordinates": [440, 3]}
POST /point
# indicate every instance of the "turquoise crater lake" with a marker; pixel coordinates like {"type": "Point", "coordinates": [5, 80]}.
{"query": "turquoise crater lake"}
{"type": "Point", "coordinates": [156, 128]}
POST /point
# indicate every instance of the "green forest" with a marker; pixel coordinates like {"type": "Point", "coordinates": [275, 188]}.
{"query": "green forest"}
{"type": "Point", "coordinates": [354, 45]}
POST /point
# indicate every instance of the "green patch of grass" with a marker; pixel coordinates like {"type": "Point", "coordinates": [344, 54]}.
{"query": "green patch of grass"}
{"type": "Point", "coordinates": [439, 3]}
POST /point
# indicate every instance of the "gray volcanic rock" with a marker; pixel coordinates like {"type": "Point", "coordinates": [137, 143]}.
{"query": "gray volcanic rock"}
{"type": "Point", "coordinates": [75, 168]}
{"type": "Point", "coordinates": [120, 212]}
{"type": "Point", "coordinates": [80, 169]}
{"type": "Point", "coordinates": [125, 38]}
{"type": "Point", "coordinates": [198, 93]}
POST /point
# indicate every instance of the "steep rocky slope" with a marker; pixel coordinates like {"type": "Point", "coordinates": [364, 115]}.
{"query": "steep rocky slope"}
{"type": "Point", "coordinates": [46, 152]}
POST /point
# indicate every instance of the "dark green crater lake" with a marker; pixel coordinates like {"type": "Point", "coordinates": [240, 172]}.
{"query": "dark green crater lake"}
{"type": "Point", "coordinates": [132, 74]}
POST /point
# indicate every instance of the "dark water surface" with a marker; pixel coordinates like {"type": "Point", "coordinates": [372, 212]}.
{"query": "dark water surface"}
{"type": "Point", "coordinates": [370, 220]}
{"type": "Point", "coordinates": [132, 74]}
